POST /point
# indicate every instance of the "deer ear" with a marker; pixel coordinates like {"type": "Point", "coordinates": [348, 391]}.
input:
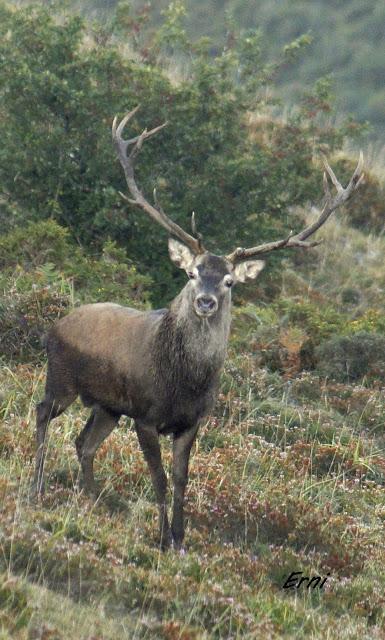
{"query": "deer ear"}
{"type": "Point", "coordinates": [180, 254]}
{"type": "Point", "coordinates": [248, 270]}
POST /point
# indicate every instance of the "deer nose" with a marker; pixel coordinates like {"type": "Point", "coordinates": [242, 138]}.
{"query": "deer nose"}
{"type": "Point", "coordinates": [206, 304]}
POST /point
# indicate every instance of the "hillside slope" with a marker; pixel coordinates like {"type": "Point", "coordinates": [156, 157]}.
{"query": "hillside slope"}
{"type": "Point", "coordinates": [288, 475]}
{"type": "Point", "coordinates": [348, 42]}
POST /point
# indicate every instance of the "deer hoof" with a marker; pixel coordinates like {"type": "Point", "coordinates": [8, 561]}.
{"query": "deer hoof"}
{"type": "Point", "coordinates": [36, 492]}
{"type": "Point", "coordinates": [179, 548]}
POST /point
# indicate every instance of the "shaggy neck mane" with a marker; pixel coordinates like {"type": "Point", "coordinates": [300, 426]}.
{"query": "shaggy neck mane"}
{"type": "Point", "coordinates": [190, 351]}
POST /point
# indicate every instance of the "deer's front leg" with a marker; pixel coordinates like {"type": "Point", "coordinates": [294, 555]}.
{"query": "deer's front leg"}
{"type": "Point", "coordinates": [181, 453]}
{"type": "Point", "coordinates": [149, 441]}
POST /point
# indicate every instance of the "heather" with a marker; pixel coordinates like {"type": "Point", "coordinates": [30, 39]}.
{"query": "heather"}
{"type": "Point", "coordinates": [287, 474]}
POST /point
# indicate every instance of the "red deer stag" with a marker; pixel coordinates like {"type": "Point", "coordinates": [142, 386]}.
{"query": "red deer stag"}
{"type": "Point", "coordinates": [162, 367]}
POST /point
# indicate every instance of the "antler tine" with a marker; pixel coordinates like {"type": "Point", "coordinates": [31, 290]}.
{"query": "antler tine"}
{"type": "Point", "coordinates": [156, 201]}
{"type": "Point", "coordinates": [331, 204]}
{"type": "Point", "coordinates": [118, 130]}
{"type": "Point", "coordinates": [326, 185]}
{"type": "Point", "coordinates": [198, 235]}
{"type": "Point", "coordinates": [127, 162]}
{"type": "Point", "coordinates": [340, 198]}
{"type": "Point", "coordinates": [331, 174]}
{"type": "Point", "coordinates": [193, 224]}
{"type": "Point", "coordinates": [137, 141]}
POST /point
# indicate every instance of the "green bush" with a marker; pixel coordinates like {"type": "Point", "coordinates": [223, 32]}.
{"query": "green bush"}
{"type": "Point", "coordinates": [318, 320]}
{"type": "Point", "coordinates": [24, 318]}
{"type": "Point", "coordinates": [348, 358]}
{"type": "Point", "coordinates": [35, 293]}
{"type": "Point", "coordinates": [372, 320]}
{"type": "Point", "coordinates": [61, 87]}
{"type": "Point", "coordinates": [35, 244]}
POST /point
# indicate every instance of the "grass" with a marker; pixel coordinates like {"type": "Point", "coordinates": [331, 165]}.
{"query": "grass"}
{"type": "Point", "coordinates": [287, 475]}
{"type": "Point", "coordinates": [282, 479]}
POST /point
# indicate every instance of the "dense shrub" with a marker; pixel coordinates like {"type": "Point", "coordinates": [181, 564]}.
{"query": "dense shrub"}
{"type": "Point", "coordinates": [24, 318]}
{"type": "Point", "coordinates": [372, 320]}
{"type": "Point", "coordinates": [296, 334]}
{"type": "Point", "coordinates": [44, 274]}
{"type": "Point", "coordinates": [35, 244]}
{"type": "Point", "coordinates": [60, 88]}
{"type": "Point", "coordinates": [318, 320]}
{"type": "Point", "coordinates": [353, 357]}
{"type": "Point", "coordinates": [258, 330]}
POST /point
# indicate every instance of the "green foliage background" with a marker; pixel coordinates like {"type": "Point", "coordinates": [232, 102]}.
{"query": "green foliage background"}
{"type": "Point", "coordinates": [61, 84]}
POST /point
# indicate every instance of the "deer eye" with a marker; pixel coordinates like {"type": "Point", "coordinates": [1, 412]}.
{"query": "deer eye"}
{"type": "Point", "coordinates": [229, 281]}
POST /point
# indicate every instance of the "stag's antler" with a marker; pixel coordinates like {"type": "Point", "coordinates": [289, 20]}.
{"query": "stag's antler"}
{"type": "Point", "coordinates": [299, 239]}
{"type": "Point", "coordinates": [127, 162]}
{"type": "Point", "coordinates": [195, 243]}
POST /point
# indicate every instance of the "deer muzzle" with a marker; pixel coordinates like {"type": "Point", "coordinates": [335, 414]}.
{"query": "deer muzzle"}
{"type": "Point", "coordinates": [205, 305]}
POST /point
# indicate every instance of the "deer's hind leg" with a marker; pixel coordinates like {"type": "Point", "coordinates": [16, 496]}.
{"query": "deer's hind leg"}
{"type": "Point", "coordinates": [51, 407]}
{"type": "Point", "coordinates": [98, 426]}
